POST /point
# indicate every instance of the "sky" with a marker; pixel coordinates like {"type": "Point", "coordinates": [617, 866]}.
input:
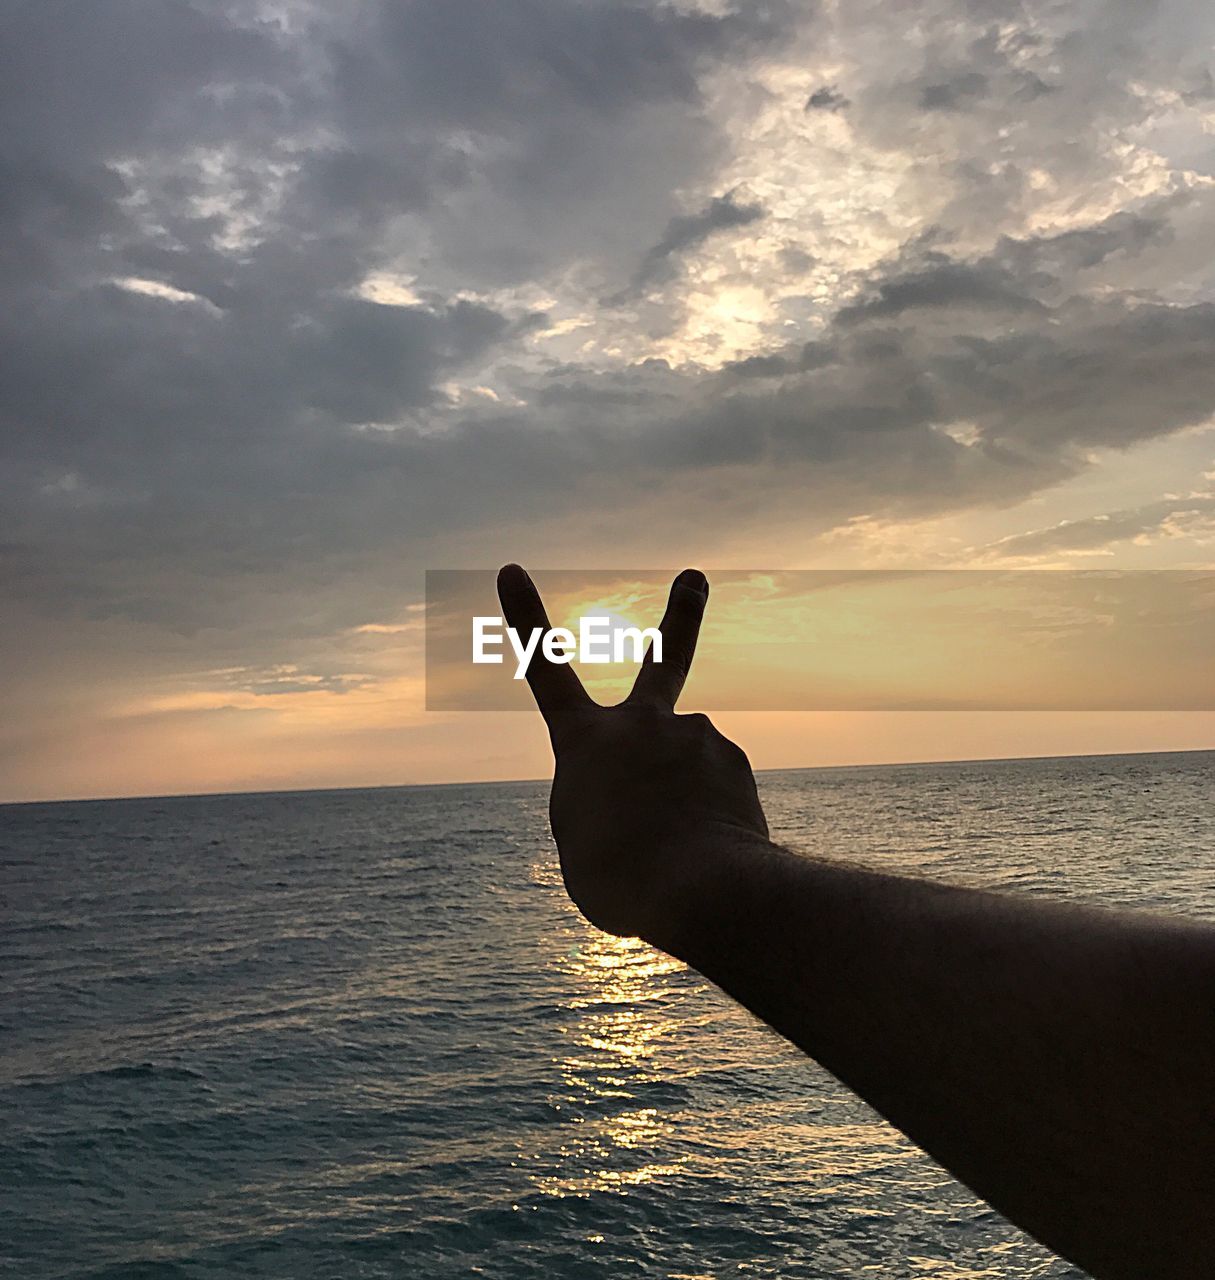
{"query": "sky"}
{"type": "Point", "coordinates": [298, 301]}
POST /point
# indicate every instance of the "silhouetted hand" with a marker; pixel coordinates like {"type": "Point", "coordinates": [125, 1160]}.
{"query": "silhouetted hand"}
{"type": "Point", "coordinates": [637, 788]}
{"type": "Point", "coordinates": [1057, 1058]}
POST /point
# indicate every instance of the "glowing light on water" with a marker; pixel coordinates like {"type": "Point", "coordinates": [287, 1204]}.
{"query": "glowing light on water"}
{"type": "Point", "coordinates": [620, 1021]}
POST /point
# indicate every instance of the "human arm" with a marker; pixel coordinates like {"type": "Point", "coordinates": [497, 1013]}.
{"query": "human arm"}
{"type": "Point", "coordinates": [1057, 1059]}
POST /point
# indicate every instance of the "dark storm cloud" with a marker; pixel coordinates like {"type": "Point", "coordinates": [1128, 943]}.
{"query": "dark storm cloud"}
{"type": "Point", "coordinates": [720, 214]}
{"type": "Point", "coordinates": [248, 170]}
{"type": "Point", "coordinates": [826, 98]}
{"type": "Point", "coordinates": [954, 93]}
{"type": "Point", "coordinates": [490, 66]}
{"type": "Point", "coordinates": [1114, 376]}
{"type": "Point", "coordinates": [1126, 233]}
{"type": "Point", "coordinates": [260, 441]}
{"type": "Point", "coordinates": [942, 284]}
{"type": "Point", "coordinates": [812, 355]}
{"type": "Point", "coordinates": [1018, 275]}
{"type": "Point", "coordinates": [685, 232]}
{"type": "Point", "coordinates": [535, 120]}
{"type": "Point", "coordinates": [134, 391]}
{"type": "Point", "coordinates": [1003, 345]}
{"type": "Point", "coordinates": [195, 478]}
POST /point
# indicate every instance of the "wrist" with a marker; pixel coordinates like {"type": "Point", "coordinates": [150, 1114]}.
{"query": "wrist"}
{"type": "Point", "coordinates": [696, 878]}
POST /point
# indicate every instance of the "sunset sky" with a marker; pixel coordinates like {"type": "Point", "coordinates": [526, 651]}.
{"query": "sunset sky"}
{"type": "Point", "coordinates": [302, 300]}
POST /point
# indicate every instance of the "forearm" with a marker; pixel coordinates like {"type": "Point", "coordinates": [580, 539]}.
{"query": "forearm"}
{"type": "Point", "coordinates": [1056, 1059]}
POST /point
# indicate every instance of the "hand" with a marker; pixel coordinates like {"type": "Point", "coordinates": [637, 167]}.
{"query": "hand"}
{"type": "Point", "coordinates": [637, 788]}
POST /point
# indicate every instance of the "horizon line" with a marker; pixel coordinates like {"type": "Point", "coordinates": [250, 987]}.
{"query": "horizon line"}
{"type": "Point", "coordinates": [501, 782]}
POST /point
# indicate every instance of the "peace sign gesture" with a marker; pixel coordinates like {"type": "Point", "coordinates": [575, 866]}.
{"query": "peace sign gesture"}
{"type": "Point", "coordinates": [636, 785]}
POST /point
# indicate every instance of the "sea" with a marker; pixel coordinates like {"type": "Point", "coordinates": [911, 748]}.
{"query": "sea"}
{"type": "Point", "coordinates": [363, 1033]}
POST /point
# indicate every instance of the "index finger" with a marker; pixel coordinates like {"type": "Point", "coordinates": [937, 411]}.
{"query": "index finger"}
{"type": "Point", "coordinates": [554, 685]}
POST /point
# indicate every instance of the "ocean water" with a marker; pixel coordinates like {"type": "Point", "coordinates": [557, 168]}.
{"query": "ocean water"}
{"type": "Point", "coordinates": [363, 1034]}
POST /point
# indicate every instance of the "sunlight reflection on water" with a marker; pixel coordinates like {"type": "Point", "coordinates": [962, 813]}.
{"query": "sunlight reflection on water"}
{"type": "Point", "coordinates": [619, 1018]}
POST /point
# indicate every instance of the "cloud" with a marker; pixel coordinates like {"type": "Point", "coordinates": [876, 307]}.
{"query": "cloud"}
{"type": "Point", "coordinates": [304, 448]}
{"type": "Point", "coordinates": [686, 232]}
{"type": "Point", "coordinates": [826, 98]}
{"type": "Point", "coordinates": [217, 438]}
{"type": "Point", "coordinates": [1192, 517]}
{"type": "Point", "coordinates": [945, 284]}
{"type": "Point", "coordinates": [954, 93]}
